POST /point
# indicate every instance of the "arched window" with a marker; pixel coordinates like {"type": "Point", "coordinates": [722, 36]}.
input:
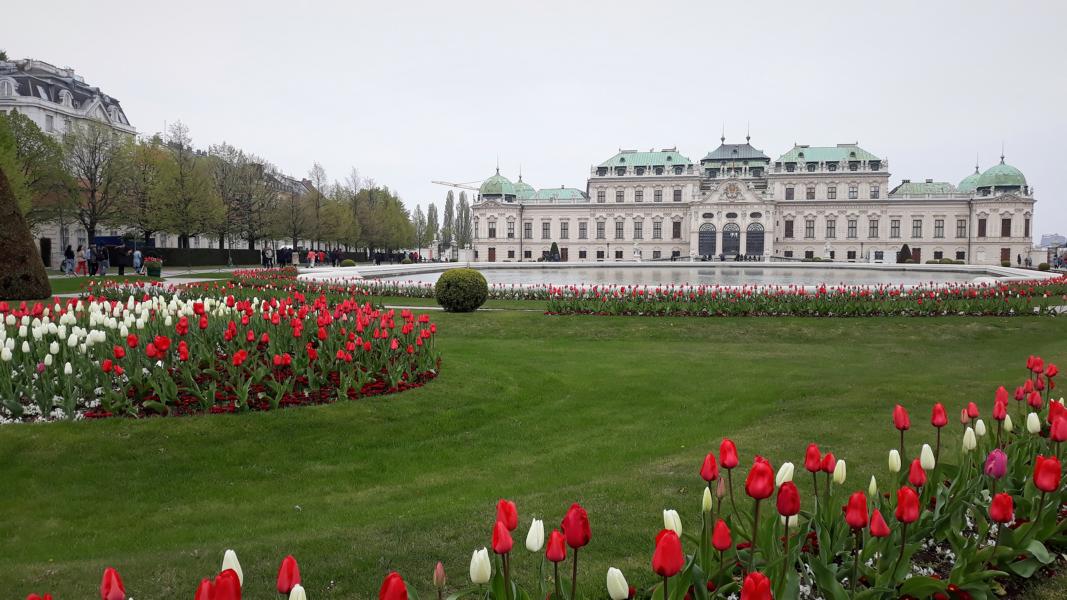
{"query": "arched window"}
{"type": "Point", "coordinates": [706, 240]}
{"type": "Point", "coordinates": [66, 98]}
{"type": "Point", "coordinates": [7, 87]}
{"type": "Point", "coordinates": [731, 239]}
{"type": "Point", "coordinates": [754, 237]}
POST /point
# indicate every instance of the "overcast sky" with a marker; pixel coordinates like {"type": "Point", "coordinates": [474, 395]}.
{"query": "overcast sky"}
{"type": "Point", "coordinates": [409, 92]}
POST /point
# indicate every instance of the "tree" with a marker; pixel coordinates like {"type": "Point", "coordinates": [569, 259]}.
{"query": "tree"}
{"type": "Point", "coordinates": [291, 210]}
{"type": "Point", "coordinates": [317, 176]}
{"type": "Point", "coordinates": [37, 171]}
{"type": "Point", "coordinates": [94, 159]}
{"type": "Point", "coordinates": [463, 226]}
{"type": "Point", "coordinates": [229, 176]}
{"type": "Point", "coordinates": [418, 224]}
{"type": "Point", "coordinates": [448, 225]}
{"type": "Point", "coordinates": [188, 204]}
{"type": "Point", "coordinates": [432, 225]}
{"type": "Point", "coordinates": [259, 199]}
{"type": "Point", "coordinates": [3, 55]}
{"type": "Point", "coordinates": [22, 275]}
{"type": "Point", "coordinates": [140, 185]}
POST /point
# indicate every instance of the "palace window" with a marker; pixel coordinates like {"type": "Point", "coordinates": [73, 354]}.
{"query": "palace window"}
{"type": "Point", "coordinates": [527, 230]}
{"type": "Point", "coordinates": [618, 255]}
{"type": "Point", "coordinates": [788, 254]}
{"type": "Point", "coordinates": [619, 195]}
{"type": "Point", "coordinates": [581, 254]}
{"type": "Point", "coordinates": [916, 228]}
{"type": "Point", "coordinates": [831, 166]}
{"type": "Point", "coordinates": [894, 228]}
{"type": "Point", "coordinates": [850, 255]}
{"type": "Point", "coordinates": [639, 170]}
{"type": "Point", "coordinates": [960, 255]}
{"type": "Point", "coordinates": [811, 167]}
{"type": "Point", "coordinates": [874, 192]}
{"type": "Point", "coordinates": [809, 254]}
{"type": "Point", "coordinates": [939, 228]}
{"type": "Point", "coordinates": [677, 195]}
{"type": "Point", "coordinates": [790, 167]}
{"type": "Point", "coordinates": [938, 255]}
{"type": "Point", "coordinates": [678, 169]}
{"type": "Point", "coordinates": [620, 171]}
{"type": "Point", "coordinates": [600, 255]}
{"type": "Point", "coordinates": [809, 228]}
{"type": "Point", "coordinates": [546, 230]}
{"type": "Point", "coordinates": [618, 229]}
{"type": "Point", "coordinates": [657, 195]}
{"type": "Point", "coordinates": [853, 192]}
{"type": "Point", "coordinates": [511, 254]}
{"type": "Point", "coordinates": [961, 228]}
{"type": "Point", "coordinates": [639, 195]}
{"type": "Point", "coordinates": [492, 229]}
{"type": "Point", "coordinates": [811, 192]}
{"type": "Point", "coordinates": [852, 228]}
{"type": "Point", "coordinates": [656, 254]}
{"type": "Point", "coordinates": [49, 123]}
{"type": "Point", "coordinates": [583, 230]}
{"type": "Point", "coordinates": [511, 230]}
{"type": "Point", "coordinates": [657, 170]}
{"type": "Point", "coordinates": [831, 192]}
{"type": "Point", "coordinates": [600, 196]}
{"type": "Point", "coordinates": [638, 233]}
{"type": "Point", "coordinates": [1005, 227]}
{"type": "Point", "coordinates": [527, 254]}
{"type": "Point", "coordinates": [789, 193]}
{"type": "Point", "coordinates": [564, 230]}
{"type": "Point", "coordinates": [599, 230]}
{"type": "Point", "coordinates": [831, 229]}
{"type": "Point", "coordinates": [872, 228]}
{"type": "Point", "coordinates": [676, 230]}
{"type": "Point", "coordinates": [789, 229]}
{"type": "Point", "coordinates": [1026, 227]}
{"type": "Point", "coordinates": [7, 87]}
{"type": "Point", "coordinates": [657, 230]}
{"type": "Point", "coordinates": [981, 228]}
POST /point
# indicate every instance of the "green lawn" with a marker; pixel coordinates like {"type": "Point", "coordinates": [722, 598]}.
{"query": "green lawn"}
{"type": "Point", "coordinates": [73, 285]}
{"type": "Point", "coordinates": [616, 413]}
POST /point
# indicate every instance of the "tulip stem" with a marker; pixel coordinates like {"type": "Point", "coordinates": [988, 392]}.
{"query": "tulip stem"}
{"type": "Point", "coordinates": [856, 560]}
{"type": "Point", "coordinates": [574, 576]}
{"type": "Point", "coordinates": [722, 565]}
{"type": "Point", "coordinates": [815, 488]}
{"type": "Point", "coordinates": [730, 484]}
{"type": "Point", "coordinates": [1040, 507]}
{"type": "Point", "coordinates": [786, 562]}
{"type": "Point", "coordinates": [902, 443]}
{"type": "Point", "coordinates": [753, 539]}
{"type": "Point", "coordinates": [665, 596]}
{"type": "Point", "coordinates": [559, 591]}
{"type": "Point", "coordinates": [507, 576]}
{"type": "Point", "coordinates": [903, 542]}
{"type": "Point", "coordinates": [937, 452]}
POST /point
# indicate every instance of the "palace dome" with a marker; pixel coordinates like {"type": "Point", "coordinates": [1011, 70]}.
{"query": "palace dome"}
{"type": "Point", "coordinates": [523, 190]}
{"type": "Point", "coordinates": [970, 182]}
{"type": "Point", "coordinates": [1002, 175]}
{"type": "Point", "coordinates": [497, 185]}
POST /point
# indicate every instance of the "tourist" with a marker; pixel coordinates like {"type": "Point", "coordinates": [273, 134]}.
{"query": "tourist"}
{"type": "Point", "coordinates": [296, 257]}
{"type": "Point", "coordinates": [122, 258]}
{"type": "Point", "coordinates": [311, 259]}
{"type": "Point", "coordinates": [1019, 260]}
{"type": "Point", "coordinates": [138, 261]}
{"type": "Point", "coordinates": [103, 261]}
{"type": "Point", "coordinates": [81, 266]}
{"type": "Point", "coordinates": [92, 257]}
{"type": "Point", "coordinates": [68, 261]}
{"type": "Point", "coordinates": [322, 257]}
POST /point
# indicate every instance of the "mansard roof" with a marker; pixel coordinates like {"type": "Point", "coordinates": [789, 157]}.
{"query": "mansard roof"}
{"type": "Point", "coordinates": [838, 153]}
{"type": "Point", "coordinates": [736, 152]}
{"type": "Point", "coordinates": [38, 79]}
{"type": "Point", "coordinates": [633, 158]}
{"type": "Point", "coordinates": [921, 188]}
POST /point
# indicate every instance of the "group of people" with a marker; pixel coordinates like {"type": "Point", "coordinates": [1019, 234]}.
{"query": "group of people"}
{"type": "Point", "coordinates": [309, 258]}
{"type": "Point", "coordinates": [96, 260]}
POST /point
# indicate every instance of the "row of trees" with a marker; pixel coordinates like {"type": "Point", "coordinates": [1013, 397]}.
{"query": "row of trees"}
{"type": "Point", "coordinates": [456, 226]}
{"type": "Point", "coordinates": [96, 178]}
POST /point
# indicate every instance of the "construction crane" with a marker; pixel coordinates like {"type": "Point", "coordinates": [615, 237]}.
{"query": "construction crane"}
{"type": "Point", "coordinates": [462, 186]}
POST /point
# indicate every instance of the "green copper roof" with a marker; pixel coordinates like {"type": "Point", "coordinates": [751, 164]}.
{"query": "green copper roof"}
{"type": "Point", "coordinates": [524, 190]}
{"type": "Point", "coordinates": [921, 188]}
{"type": "Point", "coordinates": [970, 182]}
{"type": "Point", "coordinates": [736, 152]}
{"type": "Point", "coordinates": [633, 158]}
{"type": "Point", "coordinates": [836, 153]}
{"type": "Point", "coordinates": [1002, 175]}
{"type": "Point", "coordinates": [497, 185]}
{"type": "Point", "coordinates": [560, 193]}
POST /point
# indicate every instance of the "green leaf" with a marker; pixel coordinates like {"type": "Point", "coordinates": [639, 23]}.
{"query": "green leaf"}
{"type": "Point", "coordinates": [1024, 568]}
{"type": "Point", "coordinates": [827, 582]}
{"type": "Point", "coordinates": [922, 587]}
{"type": "Point", "coordinates": [1040, 552]}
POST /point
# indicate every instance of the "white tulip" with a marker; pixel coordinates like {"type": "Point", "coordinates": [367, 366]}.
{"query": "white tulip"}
{"type": "Point", "coordinates": [481, 568]}
{"type": "Point", "coordinates": [618, 589]}
{"type": "Point", "coordinates": [926, 458]}
{"type": "Point", "coordinates": [1007, 423]}
{"type": "Point", "coordinates": [872, 488]}
{"type": "Point", "coordinates": [705, 503]}
{"type": "Point", "coordinates": [10, 320]}
{"type": "Point", "coordinates": [791, 521]}
{"type": "Point", "coordinates": [839, 472]}
{"type": "Point", "coordinates": [297, 593]}
{"type": "Point", "coordinates": [5, 354]}
{"type": "Point", "coordinates": [67, 369]}
{"type": "Point", "coordinates": [229, 561]}
{"type": "Point", "coordinates": [23, 331]}
{"type": "Point", "coordinates": [785, 473]}
{"type": "Point", "coordinates": [894, 461]}
{"type": "Point", "coordinates": [48, 360]}
{"type": "Point", "coordinates": [535, 540]}
{"type": "Point", "coordinates": [1033, 423]}
{"type": "Point", "coordinates": [25, 347]}
{"type": "Point", "coordinates": [979, 428]}
{"type": "Point", "coordinates": [672, 521]}
{"type": "Point", "coordinates": [969, 441]}
{"type": "Point", "coordinates": [53, 348]}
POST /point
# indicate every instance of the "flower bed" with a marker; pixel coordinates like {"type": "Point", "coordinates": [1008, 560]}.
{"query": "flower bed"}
{"type": "Point", "coordinates": [969, 518]}
{"type": "Point", "coordinates": [178, 354]}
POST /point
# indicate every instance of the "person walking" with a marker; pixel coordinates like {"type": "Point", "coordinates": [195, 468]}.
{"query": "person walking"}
{"type": "Point", "coordinates": [81, 265]}
{"type": "Point", "coordinates": [92, 257]}
{"type": "Point", "coordinates": [68, 261]}
{"type": "Point", "coordinates": [138, 260]}
{"type": "Point", "coordinates": [104, 259]}
{"type": "Point", "coordinates": [268, 257]}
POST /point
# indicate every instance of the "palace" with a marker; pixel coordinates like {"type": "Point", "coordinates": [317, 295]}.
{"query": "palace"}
{"type": "Point", "coordinates": [826, 202]}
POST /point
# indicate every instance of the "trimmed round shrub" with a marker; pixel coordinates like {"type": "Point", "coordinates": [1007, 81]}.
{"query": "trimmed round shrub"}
{"type": "Point", "coordinates": [461, 290]}
{"type": "Point", "coordinates": [1043, 267]}
{"type": "Point", "coordinates": [348, 262]}
{"type": "Point", "coordinates": [406, 261]}
{"type": "Point", "coordinates": [1005, 263]}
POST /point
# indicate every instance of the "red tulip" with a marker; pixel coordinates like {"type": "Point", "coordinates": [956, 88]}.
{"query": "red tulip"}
{"type": "Point", "coordinates": [916, 475]}
{"type": "Point", "coordinates": [501, 538]}
{"type": "Point", "coordinates": [1058, 432]}
{"type": "Point", "coordinates": [118, 352]}
{"type": "Point", "coordinates": [1051, 371]}
{"type": "Point", "coordinates": [1047, 473]}
{"type": "Point", "coordinates": [1020, 393]}
{"type": "Point", "coordinates": [575, 526]}
{"type": "Point", "coordinates": [900, 418]}
{"type": "Point", "coordinates": [720, 538]}
{"type": "Point", "coordinates": [393, 588]}
{"type": "Point", "coordinates": [668, 559]}
{"type": "Point", "coordinates": [111, 587]}
{"type": "Point", "coordinates": [879, 528]}
{"type": "Point", "coordinates": [288, 575]}
{"type": "Point", "coordinates": [964, 417]}
{"type": "Point", "coordinates": [907, 505]}
{"type": "Point", "coordinates": [1034, 399]}
{"type": "Point", "coordinates": [227, 586]}
{"type": "Point", "coordinates": [760, 481]}
{"type": "Point", "coordinates": [972, 410]}
{"type": "Point", "coordinates": [507, 514]}
{"type": "Point", "coordinates": [728, 454]}
{"type": "Point", "coordinates": [556, 548]}
{"type": "Point", "coordinates": [829, 462]}
{"type": "Point", "coordinates": [1000, 410]}
{"type": "Point", "coordinates": [938, 418]}
{"type": "Point", "coordinates": [1028, 386]}
{"type": "Point", "coordinates": [856, 510]}
{"type": "Point", "coordinates": [709, 471]}
{"type": "Point", "coordinates": [205, 590]}
{"type": "Point", "coordinates": [132, 341]}
{"type": "Point", "coordinates": [813, 459]}
{"type": "Point", "coordinates": [1002, 509]}
{"type": "Point", "coordinates": [788, 499]}
{"type": "Point", "coordinates": [1039, 385]}
{"type": "Point", "coordinates": [756, 587]}
{"type": "Point", "coordinates": [1055, 409]}
{"type": "Point", "coordinates": [36, 597]}
{"type": "Point", "coordinates": [1001, 395]}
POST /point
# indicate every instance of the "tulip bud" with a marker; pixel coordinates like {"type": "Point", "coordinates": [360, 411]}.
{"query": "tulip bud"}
{"type": "Point", "coordinates": [926, 458]}
{"type": "Point", "coordinates": [229, 561]}
{"type": "Point", "coordinates": [894, 461]}
{"type": "Point", "coordinates": [839, 472]}
{"type": "Point", "coordinates": [618, 589]}
{"type": "Point", "coordinates": [67, 369]}
{"type": "Point", "coordinates": [785, 473]}
{"type": "Point", "coordinates": [872, 488]}
{"type": "Point", "coordinates": [672, 521]}
{"type": "Point", "coordinates": [48, 360]}
{"type": "Point", "coordinates": [706, 502]}
{"type": "Point", "coordinates": [535, 539]}
{"type": "Point", "coordinates": [965, 418]}
{"type": "Point", "coordinates": [297, 593]}
{"type": "Point", "coordinates": [979, 427]}
{"type": "Point", "coordinates": [1033, 423]}
{"type": "Point", "coordinates": [439, 576]}
{"type": "Point", "coordinates": [481, 568]}
{"type": "Point", "coordinates": [1007, 424]}
{"type": "Point", "coordinates": [720, 489]}
{"type": "Point", "coordinates": [969, 441]}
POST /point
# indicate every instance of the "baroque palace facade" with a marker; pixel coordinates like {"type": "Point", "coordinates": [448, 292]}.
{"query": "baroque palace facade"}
{"type": "Point", "coordinates": [832, 202]}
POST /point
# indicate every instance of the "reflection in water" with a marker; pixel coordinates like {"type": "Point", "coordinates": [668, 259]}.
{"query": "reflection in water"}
{"type": "Point", "coordinates": [711, 275]}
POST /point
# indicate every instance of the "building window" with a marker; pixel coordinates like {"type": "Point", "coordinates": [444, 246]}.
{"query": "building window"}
{"type": "Point", "coordinates": [831, 166]}
{"type": "Point", "coordinates": [916, 228]}
{"type": "Point", "coordinates": [809, 254]}
{"type": "Point", "coordinates": [527, 254]}
{"type": "Point", "coordinates": [831, 192]}
{"type": "Point", "coordinates": [676, 230]}
{"type": "Point", "coordinates": [583, 230]}
{"type": "Point", "coordinates": [981, 228]}
{"type": "Point", "coordinates": [811, 167]}
{"type": "Point", "coordinates": [600, 255]}
{"type": "Point", "coordinates": [657, 195]}
{"type": "Point", "coordinates": [789, 193]}
{"type": "Point", "coordinates": [1005, 227]}
{"type": "Point", "coordinates": [618, 229]}
{"type": "Point", "coordinates": [1026, 227]}
{"type": "Point", "coordinates": [788, 254]}
{"type": "Point", "coordinates": [960, 254]}
{"type": "Point", "coordinates": [657, 230]}
{"type": "Point", "coordinates": [809, 228]}
{"type": "Point", "coordinates": [831, 229]}
{"type": "Point", "coordinates": [677, 195]}
{"type": "Point", "coordinates": [939, 228]}
{"type": "Point", "coordinates": [638, 230]}
{"type": "Point", "coordinates": [600, 196]}
{"type": "Point", "coordinates": [599, 230]}
{"type": "Point", "coordinates": [7, 88]}
{"type": "Point", "coordinates": [492, 230]}
{"type": "Point", "coordinates": [810, 194]}
{"type": "Point", "coordinates": [511, 230]}
{"type": "Point", "coordinates": [639, 195]}
{"type": "Point", "coordinates": [853, 192]}
{"type": "Point", "coordinates": [619, 195]}
{"type": "Point", "coordinates": [789, 229]}
{"type": "Point", "coordinates": [656, 254]}
{"type": "Point", "coordinates": [938, 255]}
{"type": "Point", "coordinates": [564, 230]}
{"type": "Point", "coordinates": [961, 228]}
{"type": "Point", "coordinates": [852, 228]}
{"type": "Point", "coordinates": [582, 254]}
{"type": "Point", "coordinates": [546, 230]}
{"type": "Point", "coordinates": [872, 228]}
{"type": "Point", "coordinates": [527, 230]}
{"type": "Point", "coordinates": [894, 228]}
{"type": "Point", "coordinates": [618, 255]}
{"type": "Point", "coordinates": [850, 255]}
{"type": "Point", "coordinates": [874, 192]}
{"type": "Point", "coordinates": [511, 254]}
{"type": "Point", "coordinates": [49, 123]}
